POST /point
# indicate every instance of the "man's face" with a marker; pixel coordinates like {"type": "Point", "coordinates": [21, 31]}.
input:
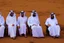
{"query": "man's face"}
{"type": "Point", "coordinates": [22, 14]}
{"type": "Point", "coordinates": [34, 14]}
{"type": "Point", "coordinates": [52, 16]}
{"type": "Point", "coordinates": [12, 13]}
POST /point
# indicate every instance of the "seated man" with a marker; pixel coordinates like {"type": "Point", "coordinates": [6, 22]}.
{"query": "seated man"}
{"type": "Point", "coordinates": [53, 27]}
{"type": "Point", "coordinates": [2, 27]}
{"type": "Point", "coordinates": [34, 23]}
{"type": "Point", "coordinates": [22, 20]}
{"type": "Point", "coordinates": [11, 23]}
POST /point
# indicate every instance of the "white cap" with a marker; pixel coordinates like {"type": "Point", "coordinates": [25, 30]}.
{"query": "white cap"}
{"type": "Point", "coordinates": [33, 10]}
{"type": "Point", "coordinates": [11, 11]}
{"type": "Point", "coordinates": [22, 11]}
{"type": "Point", "coordinates": [52, 13]}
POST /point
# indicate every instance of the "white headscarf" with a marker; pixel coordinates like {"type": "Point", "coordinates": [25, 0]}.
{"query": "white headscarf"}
{"type": "Point", "coordinates": [35, 12]}
{"type": "Point", "coordinates": [33, 20]}
{"type": "Point", "coordinates": [54, 15]}
{"type": "Point", "coordinates": [12, 19]}
{"type": "Point", "coordinates": [24, 13]}
{"type": "Point", "coordinates": [10, 13]}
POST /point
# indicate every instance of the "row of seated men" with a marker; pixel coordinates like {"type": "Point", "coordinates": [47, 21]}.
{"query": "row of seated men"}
{"type": "Point", "coordinates": [33, 24]}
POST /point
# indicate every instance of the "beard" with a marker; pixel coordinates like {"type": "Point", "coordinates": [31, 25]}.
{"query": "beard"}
{"type": "Point", "coordinates": [52, 17]}
{"type": "Point", "coordinates": [11, 15]}
{"type": "Point", "coordinates": [22, 16]}
{"type": "Point", "coordinates": [34, 15]}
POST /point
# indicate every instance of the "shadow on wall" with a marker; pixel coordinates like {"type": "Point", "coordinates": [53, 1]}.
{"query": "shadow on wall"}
{"type": "Point", "coordinates": [62, 28]}
{"type": "Point", "coordinates": [62, 31]}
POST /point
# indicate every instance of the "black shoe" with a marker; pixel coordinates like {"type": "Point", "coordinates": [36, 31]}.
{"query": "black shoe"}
{"type": "Point", "coordinates": [56, 36]}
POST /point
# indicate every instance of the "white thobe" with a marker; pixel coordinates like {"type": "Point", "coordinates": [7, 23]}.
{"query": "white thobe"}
{"type": "Point", "coordinates": [36, 28]}
{"type": "Point", "coordinates": [54, 30]}
{"type": "Point", "coordinates": [22, 23]}
{"type": "Point", "coordinates": [2, 26]}
{"type": "Point", "coordinates": [11, 29]}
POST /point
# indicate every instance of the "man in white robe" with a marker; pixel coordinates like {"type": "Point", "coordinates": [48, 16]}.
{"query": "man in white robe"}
{"type": "Point", "coordinates": [53, 27]}
{"type": "Point", "coordinates": [22, 20]}
{"type": "Point", "coordinates": [11, 23]}
{"type": "Point", "coordinates": [2, 27]}
{"type": "Point", "coordinates": [33, 22]}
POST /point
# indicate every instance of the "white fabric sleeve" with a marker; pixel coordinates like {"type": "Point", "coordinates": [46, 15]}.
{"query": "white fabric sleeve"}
{"type": "Point", "coordinates": [18, 22]}
{"type": "Point", "coordinates": [15, 21]}
{"type": "Point", "coordinates": [2, 21]}
{"type": "Point", "coordinates": [7, 20]}
{"type": "Point", "coordinates": [56, 21]}
{"type": "Point", "coordinates": [29, 22]}
{"type": "Point", "coordinates": [38, 21]}
{"type": "Point", "coordinates": [46, 23]}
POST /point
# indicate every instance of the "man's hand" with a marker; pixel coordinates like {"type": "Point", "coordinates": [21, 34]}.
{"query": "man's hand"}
{"type": "Point", "coordinates": [34, 25]}
{"type": "Point", "coordinates": [0, 25]}
{"type": "Point", "coordinates": [12, 24]}
{"type": "Point", "coordinates": [49, 25]}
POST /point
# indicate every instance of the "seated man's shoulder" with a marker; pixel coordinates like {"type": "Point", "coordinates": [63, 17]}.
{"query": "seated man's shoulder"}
{"type": "Point", "coordinates": [48, 18]}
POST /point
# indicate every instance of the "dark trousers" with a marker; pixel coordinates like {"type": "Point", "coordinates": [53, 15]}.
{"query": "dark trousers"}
{"type": "Point", "coordinates": [29, 31]}
{"type": "Point", "coordinates": [47, 31]}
